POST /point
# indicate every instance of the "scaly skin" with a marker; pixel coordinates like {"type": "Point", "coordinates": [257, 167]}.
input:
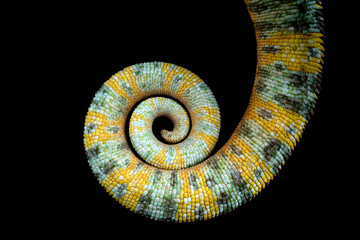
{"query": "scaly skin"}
{"type": "Point", "coordinates": [175, 182]}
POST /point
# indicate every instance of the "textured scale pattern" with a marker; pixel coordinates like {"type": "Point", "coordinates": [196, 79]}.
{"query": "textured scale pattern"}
{"type": "Point", "coordinates": [176, 182]}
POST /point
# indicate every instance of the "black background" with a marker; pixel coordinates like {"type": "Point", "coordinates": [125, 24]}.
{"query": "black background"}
{"type": "Point", "coordinates": [86, 44]}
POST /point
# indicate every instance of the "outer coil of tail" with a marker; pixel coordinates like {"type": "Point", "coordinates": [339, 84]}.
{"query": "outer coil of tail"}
{"type": "Point", "coordinates": [178, 182]}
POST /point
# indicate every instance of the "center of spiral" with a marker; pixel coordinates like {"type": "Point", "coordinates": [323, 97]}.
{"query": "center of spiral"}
{"type": "Point", "coordinates": [161, 123]}
{"type": "Point", "coordinates": [195, 115]}
{"type": "Point", "coordinates": [144, 140]}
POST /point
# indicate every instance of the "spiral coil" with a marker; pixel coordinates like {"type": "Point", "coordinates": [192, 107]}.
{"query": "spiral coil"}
{"type": "Point", "coordinates": [177, 182]}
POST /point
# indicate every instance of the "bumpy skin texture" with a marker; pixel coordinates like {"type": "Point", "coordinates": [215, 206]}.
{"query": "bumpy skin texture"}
{"type": "Point", "coordinates": [175, 184]}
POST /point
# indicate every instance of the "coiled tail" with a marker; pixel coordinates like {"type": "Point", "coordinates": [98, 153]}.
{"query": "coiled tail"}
{"type": "Point", "coordinates": [178, 181]}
